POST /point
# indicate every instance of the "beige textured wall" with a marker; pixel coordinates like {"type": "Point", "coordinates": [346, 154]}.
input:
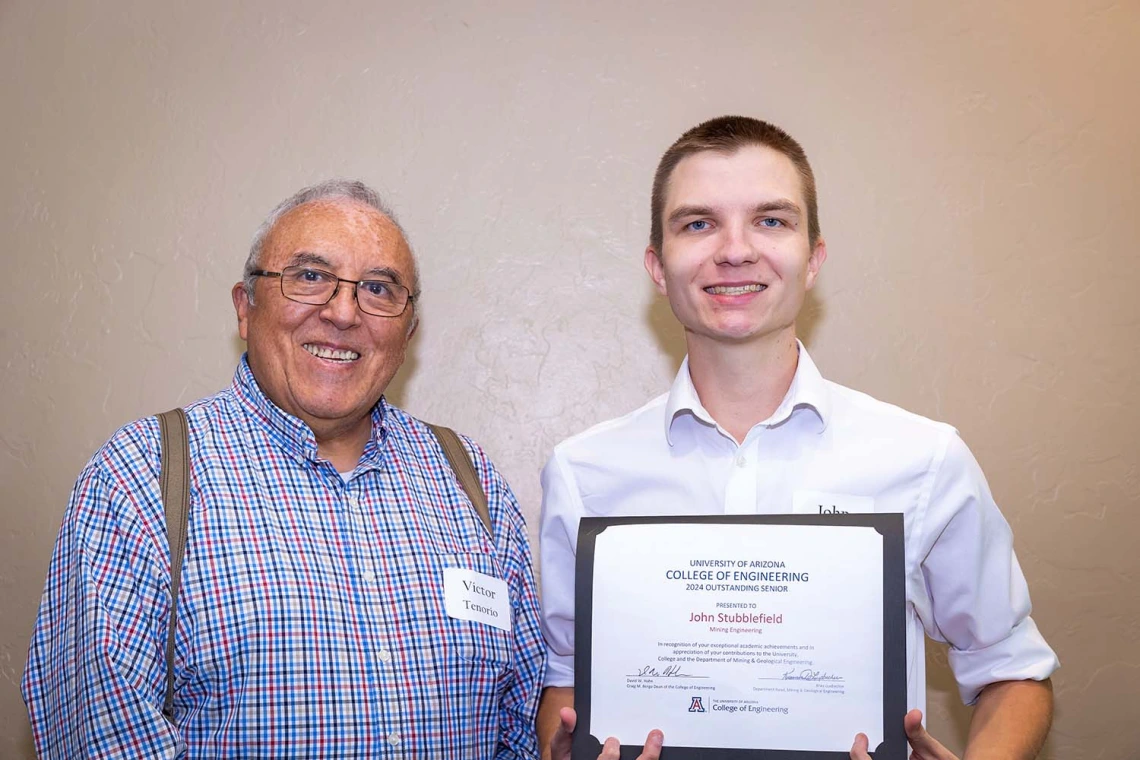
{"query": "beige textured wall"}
{"type": "Point", "coordinates": [979, 184]}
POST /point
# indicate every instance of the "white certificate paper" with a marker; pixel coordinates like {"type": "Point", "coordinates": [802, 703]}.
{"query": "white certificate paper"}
{"type": "Point", "coordinates": [749, 636]}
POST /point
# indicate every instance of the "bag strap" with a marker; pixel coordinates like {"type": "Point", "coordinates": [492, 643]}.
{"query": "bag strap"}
{"type": "Point", "coordinates": [175, 480]}
{"type": "Point", "coordinates": [464, 471]}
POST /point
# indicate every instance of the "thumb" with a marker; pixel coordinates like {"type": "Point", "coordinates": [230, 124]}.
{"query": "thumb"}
{"type": "Point", "coordinates": [915, 731]}
{"type": "Point", "coordinates": [923, 744]}
{"type": "Point", "coordinates": [569, 719]}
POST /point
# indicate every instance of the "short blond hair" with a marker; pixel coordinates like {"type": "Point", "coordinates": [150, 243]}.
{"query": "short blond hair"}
{"type": "Point", "coordinates": [728, 134]}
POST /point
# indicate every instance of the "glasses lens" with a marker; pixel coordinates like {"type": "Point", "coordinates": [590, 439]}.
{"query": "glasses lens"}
{"type": "Point", "coordinates": [382, 298]}
{"type": "Point", "coordinates": [306, 285]}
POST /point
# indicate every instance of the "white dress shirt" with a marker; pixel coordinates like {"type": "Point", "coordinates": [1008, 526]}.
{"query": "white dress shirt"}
{"type": "Point", "coordinates": [825, 448]}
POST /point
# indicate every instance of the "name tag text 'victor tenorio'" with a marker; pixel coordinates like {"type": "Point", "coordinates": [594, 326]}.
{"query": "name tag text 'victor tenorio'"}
{"type": "Point", "coordinates": [469, 595]}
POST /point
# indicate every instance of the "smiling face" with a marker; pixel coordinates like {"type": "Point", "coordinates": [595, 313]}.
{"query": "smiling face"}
{"type": "Point", "coordinates": [327, 365]}
{"type": "Point", "coordinates": [735, 259]}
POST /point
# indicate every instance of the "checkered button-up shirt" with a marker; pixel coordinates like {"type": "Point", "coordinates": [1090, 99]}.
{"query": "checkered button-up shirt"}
{"type": "Point", "coordinates": [311, 618]}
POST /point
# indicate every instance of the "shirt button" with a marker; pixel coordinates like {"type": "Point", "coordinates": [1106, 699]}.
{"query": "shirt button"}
{"type": "Point", "coordinates": [741, 461]}
{"type": "Point", "coordinates": [369, 576]}
{"type": "Point", "coordinates": [385, 656]}
{"type": "Point", "coordinates": [353, 502]}
{"type": "Point", "coordinates": [394, 739]}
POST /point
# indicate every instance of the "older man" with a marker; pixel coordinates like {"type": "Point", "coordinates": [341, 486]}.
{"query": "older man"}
{"type": "Point", "coordinates": [750, 426]}
{"type": "Point", "coordinates": [329, 544]}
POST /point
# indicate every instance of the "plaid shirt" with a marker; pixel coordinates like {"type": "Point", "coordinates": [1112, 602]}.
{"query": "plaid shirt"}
{"type": "Point", "coordinates": [311, 617]}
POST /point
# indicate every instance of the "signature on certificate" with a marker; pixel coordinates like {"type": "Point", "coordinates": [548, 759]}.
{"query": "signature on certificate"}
{"type": "Point", "coordinates": [672, 671]}
{"type": "Point", "coordinates": [803, 674]}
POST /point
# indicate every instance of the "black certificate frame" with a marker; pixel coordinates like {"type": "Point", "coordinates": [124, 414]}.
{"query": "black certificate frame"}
{"type": "Point", "coordinates": [889, 525]}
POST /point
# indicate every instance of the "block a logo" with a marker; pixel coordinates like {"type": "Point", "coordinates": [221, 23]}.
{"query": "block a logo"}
{"type": "Point", "coordinates": [697, 705]}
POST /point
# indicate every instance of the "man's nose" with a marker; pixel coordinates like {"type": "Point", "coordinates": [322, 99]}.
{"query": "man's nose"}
{"type": "Point", "coordinates": [737, 247]}
{"type": "Point", "coordinates": [341, 309]}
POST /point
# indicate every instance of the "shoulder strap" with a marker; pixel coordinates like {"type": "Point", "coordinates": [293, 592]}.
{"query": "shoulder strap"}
{"type": "Point", "coordinates": [464, 471]}
{"type": "Point", "coordinates": [175, 482]}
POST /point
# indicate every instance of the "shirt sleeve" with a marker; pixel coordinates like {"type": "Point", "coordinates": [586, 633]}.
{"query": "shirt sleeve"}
{"type": "Point", "coordinates": [95, 677]}
{"type": "Point", "coordinates": [518, 706]}
{"type": "Point", "coordinates": [558, 544]}
{"type": "Point", "coordinates": [976, 597]}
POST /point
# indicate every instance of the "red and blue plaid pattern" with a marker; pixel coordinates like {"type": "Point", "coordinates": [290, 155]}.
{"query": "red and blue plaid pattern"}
{"type": "Point", "coordinates": [311, 618]}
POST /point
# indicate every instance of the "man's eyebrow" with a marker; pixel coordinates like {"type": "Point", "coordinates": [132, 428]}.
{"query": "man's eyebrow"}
{"type": "Point", "coordinates": [783, 204]}
{"type": "Point", "coordinates": [306, 258]}
{"type": "Point", "coordinates": [686, 211]}
{"type": "Point", "coordinates": [780, 205]}
{"type": "Point", "coordinates": [387, 272]}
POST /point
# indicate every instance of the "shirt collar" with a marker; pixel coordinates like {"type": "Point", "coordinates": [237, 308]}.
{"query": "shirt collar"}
{"type": "Point", "coordinates": [291, 433]}
{"type": "Point", "coordinates": [808, 390]}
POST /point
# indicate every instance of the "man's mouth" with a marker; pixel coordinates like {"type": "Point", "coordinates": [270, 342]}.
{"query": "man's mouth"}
{"type": "Point", "coordinates": [335, 354]}
{"type": "Point", "coordinates": [735, 290]}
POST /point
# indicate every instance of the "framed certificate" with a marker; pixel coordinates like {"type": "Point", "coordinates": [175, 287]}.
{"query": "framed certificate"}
{"type": "Point", "coordinates": [759, 636]}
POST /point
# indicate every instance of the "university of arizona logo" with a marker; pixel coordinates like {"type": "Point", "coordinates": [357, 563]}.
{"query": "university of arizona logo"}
{"type": "Point", "coordinates": [696, 705]}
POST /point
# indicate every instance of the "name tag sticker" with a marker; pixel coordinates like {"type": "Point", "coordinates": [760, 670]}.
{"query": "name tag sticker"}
{"type": "Point", "coordinates": [824, 503]}
{"type": "Point", "coordinates": [468, 595]}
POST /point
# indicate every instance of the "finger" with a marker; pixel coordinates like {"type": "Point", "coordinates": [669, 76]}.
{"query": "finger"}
{"type": "Point", "coordinates": [569, 719]}
{"type": "Point", "coordinates": [652, 748]}
{"type": "Point", "coordinates": [860, 747]}
{"type": "Point", "coordinates": [925, 746]}
{"type": "Point", "coordinates": [912, 722]}
{"type": "Point", "coordinates": [561, 741]}
{"type": "Point", "coordinates": [611, 750]}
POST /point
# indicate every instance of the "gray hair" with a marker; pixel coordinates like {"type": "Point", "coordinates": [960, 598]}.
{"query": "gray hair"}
{"type": "Point", "coordinates": [333, 189]}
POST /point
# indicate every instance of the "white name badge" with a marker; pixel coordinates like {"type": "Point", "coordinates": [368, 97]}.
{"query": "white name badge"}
{"type": "Point", "coordinates": [468, 595]}
{"type": "Point", "coordinates": [825, 503]}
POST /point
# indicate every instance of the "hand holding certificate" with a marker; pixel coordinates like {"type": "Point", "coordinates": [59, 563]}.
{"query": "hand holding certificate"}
{"type": "Point", "coordinates": [611, 750]}
{"type": "Point", "coordinates": [782, 634]}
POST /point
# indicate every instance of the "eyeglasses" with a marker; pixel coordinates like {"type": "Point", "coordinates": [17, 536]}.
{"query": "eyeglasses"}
{"type": "Point", "coordinates": [316, 287]}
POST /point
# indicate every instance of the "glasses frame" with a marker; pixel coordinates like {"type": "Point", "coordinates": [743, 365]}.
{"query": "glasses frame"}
{"type": "Point", "coordinates": [409, 298]}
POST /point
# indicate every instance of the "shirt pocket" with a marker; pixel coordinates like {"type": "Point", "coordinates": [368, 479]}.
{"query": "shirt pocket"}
{"type": "Point", "coordinates": [474, 641]}
{"type": "Point", "coordinates": [830, 503]}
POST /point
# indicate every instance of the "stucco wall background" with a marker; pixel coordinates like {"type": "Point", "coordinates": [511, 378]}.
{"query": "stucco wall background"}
{"type": "Point", "coordinates": [978, 174]}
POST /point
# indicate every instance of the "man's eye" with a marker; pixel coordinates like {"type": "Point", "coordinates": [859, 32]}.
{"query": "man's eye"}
{"type": "Point", "coordinates": [377, 287]}
{"type": "Point", "coordinates": [311, 276]}
{"type": "Point", "coordinates": [771, 222]}
{"type": "Point", "coordinates": [698, 226]}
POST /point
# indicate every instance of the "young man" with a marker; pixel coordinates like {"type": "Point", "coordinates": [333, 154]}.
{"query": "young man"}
{"type": "Point", "coordinates": [327, 539]}
{"type": "Point", "coordinates": [750, 426]}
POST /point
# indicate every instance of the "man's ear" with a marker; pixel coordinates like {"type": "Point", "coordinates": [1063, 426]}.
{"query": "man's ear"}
{"type": "Point", "coordinates": [656, 269]}
{"type": "Point", "coordinates": [815, 262]}
{"type": "Point", "coordinates": [242, 306]}
{"type": "Point", "coordinates": [415, 325]}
